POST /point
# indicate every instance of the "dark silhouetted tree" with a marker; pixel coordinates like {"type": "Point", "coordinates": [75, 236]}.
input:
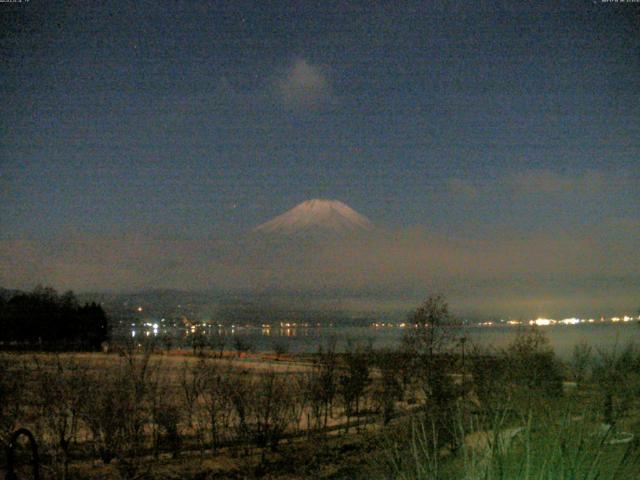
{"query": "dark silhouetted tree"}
{"type": "Point", "coordinates": [42, 319]}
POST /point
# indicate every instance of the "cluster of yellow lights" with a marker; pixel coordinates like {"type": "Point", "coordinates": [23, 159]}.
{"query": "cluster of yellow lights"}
{"type": "Point", "coordinates": [388, 324]}
{"type": "Point", "coordinates": [542, 322]}
{"type": "Point", "coordinates": [292, 325]}
{"type": "Point", "coordinates": [153, 328]}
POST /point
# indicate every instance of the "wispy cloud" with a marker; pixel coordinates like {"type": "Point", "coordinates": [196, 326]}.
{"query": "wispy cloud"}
{"type": "Point", "coordinates": [549, 181]}
{"type": "Point", "coordinates": [462, 188]}
{"type": "Point", "coordinates": [543, 181]}
{"type": "Point", "coordinates": [477, 274]}
{"type": "Point", "coordinates": [303, 85]}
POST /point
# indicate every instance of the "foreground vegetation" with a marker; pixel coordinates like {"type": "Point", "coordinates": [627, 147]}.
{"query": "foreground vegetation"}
{"type": "Point", "coordinates": [436, 408]}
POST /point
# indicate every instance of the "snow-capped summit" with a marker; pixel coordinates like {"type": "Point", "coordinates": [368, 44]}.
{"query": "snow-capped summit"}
{"type": "Point", "coordinates": [330, 216]}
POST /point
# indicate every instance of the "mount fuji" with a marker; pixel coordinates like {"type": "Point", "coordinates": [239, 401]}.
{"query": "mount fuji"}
{"type": "Point", "coordinates": [317, 216]}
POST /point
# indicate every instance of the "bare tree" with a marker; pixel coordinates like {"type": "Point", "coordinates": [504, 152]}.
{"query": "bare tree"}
{"type": "Point", "coordinates": [241, 345]}
{"type": "Point", "coordinates": [431, 334]}
{"type": "Point", "coordinates": [218, 342]}
{"type": "Point", "coordinates": [13, 375]}
{"type": "Point", "coordinates": [300, 392]}
{"type": "Point", "coordinates": [118, 408]}
{"type": "Point", "coordinates": [192, 387]}
{"type": "Point", "coordinates": [60, 392]}
{"type": "Point", "coordinates": [198, 341]}
{"type": "Point", "coordinates": [167, 341]}
{"type": "Point", "coordinates": [432, 328]}
{"type": "Point", "coordinates": [240, 394]}
{"type": "Point", "coordinates": [354, 379]}
{"type": "Point", "coordinates": [216, 400]}
{"type": "Point", "coordinates": [323, 383]}
{"type": "Point", "coordinates": [166, 415]}
{"type": "Point", "coordinates": [581, 362]}
{"type": "Point", "coordinates": [389, 388]}
{"type": "Point", "coordinates": [615, 372]}
{"type": "Point", "coordinates": [431, 331]}
{"type": "Point", "coordinates": [533, 366]}
{"type": "Point", "coordinates": [280, 348]}
{"type": "Point", "coordinates": [271, 410]}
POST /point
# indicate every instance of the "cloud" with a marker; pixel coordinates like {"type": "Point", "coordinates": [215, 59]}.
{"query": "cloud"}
{"type": "Point", "coordinates": [544, 181]}
{"type": "Point", "coordinates": [303, 85]}
{"type": "Point", "coordinates": [505, 272]}
{"type": "Point", "coordinates": [462, 188]}
{"type": "Point", "coordinates": [547, 181]}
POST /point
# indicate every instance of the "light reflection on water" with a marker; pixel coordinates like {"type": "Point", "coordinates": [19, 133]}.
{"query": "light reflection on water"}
{"type": "Point", "coordinates": [304, 339]}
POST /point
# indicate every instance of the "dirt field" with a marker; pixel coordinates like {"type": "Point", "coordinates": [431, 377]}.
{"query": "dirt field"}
{"type": "Point", "coordinates": [94, 412]}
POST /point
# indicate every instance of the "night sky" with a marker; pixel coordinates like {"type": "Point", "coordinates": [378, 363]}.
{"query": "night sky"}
{"type": "Point", "coordinates": [496, 145]}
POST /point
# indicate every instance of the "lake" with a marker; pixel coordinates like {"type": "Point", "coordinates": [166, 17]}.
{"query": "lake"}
{"type": "Point", "coordinates": [562, 338]}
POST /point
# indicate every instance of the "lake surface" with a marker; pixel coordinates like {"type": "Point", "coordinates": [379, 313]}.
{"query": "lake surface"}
{"type": "Point", "coordinates": [562, 338]}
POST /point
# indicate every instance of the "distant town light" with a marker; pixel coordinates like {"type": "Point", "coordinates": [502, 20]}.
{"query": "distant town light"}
{"type": "Point", "coordinates": [542, 322]}
{"type": "Point", "coordinates": [570, 321]}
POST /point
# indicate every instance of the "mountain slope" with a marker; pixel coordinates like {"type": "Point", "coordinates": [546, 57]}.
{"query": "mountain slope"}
{"type": "Point", "coordinates": [331, 216]}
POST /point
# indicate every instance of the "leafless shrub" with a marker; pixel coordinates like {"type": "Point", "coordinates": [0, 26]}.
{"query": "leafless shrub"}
{"type": "Point", "coordinates": [533, 366]}
{"type": "Point", "coordinates": [242, 345]}
{"type": "Point", "coordinates": [59, 390]}
{"type": "Point", "coordinates": [167, 416]}
{"type": "Point", "coordinates": [266, 409]}
{"type": "Point", "coordinates": [490, 380]}
{"type": "Point", "coordinates": [581, 361]}
{"type": "Point", "coordinates": [217, 342]}
{"type": "Point", "coordinates": [192, 385]}
{"type": "Point", "coordinates": [215, 399]}
{"type": "Point", "coordinates": [167, 341]}
{"type": "Point", "coordinates": [616, 374]}
{"type": "Point", "coordinates": [427, 344]}
{"type": "Point", "coordinates": [354, 378]}
{"type": "Point", "coordinates": [432, 328]}
{"type": "Point", "coordinates": [280, 348]}
{"type": "Point", "coordinates": [13, 389]}
{"type": "Point", "coordinates": [389, 388]}
{"type": "Point", "coordinates": [198, 341]}
{"type": "Point", "coordinates": [523, 375]}
{"type": "Point", "coordinates": [118, 409]}
{"type": "Point", "coordinates": [323, 384]}
{"type": "Point", "coordinates": [300, 398]}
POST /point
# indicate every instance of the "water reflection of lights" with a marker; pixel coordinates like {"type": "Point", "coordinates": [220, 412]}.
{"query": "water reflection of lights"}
{"type": "Point", "coordinates": [295, 329]}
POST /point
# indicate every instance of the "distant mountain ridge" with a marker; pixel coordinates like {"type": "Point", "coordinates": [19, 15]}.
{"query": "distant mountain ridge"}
{"type": "Point", "coordinates": [319, 215]}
